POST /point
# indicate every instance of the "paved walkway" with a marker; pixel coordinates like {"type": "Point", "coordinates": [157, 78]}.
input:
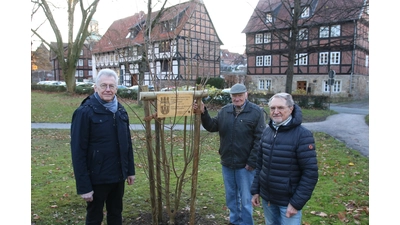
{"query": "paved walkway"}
{"type": "Point", "coordinates": [348, 126]}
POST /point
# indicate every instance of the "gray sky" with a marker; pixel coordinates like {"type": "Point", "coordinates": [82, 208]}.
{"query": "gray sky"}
{"type": "Point", "coordinates": [229, 18]}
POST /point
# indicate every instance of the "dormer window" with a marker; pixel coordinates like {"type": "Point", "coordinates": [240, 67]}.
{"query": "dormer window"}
{"type": "Point", "coordinates": [134, 32]}
{"type": "Point", "coordinates": [268, 18]}
{"type": "Point", "coordinates": [167, 26]}
{"type": "Point", "coordinates": [305, 12]}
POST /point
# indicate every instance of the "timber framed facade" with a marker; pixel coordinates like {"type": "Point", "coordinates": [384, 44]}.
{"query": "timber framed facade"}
{"type": "Point", "coordinates": [330, 35]}
{"type": "Point", "coordinates": [84, 70]}
{"type": "Point", "coordinates": [182, 46]}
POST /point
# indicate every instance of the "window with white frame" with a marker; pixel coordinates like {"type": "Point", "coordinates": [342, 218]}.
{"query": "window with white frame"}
{"type": "Point", "coordinates": [306, 12]}
{"type": "Point", "coordinates": [78, 73]}
{"type": "Point", "coordinates": [264, 84]}
{"type": "Point", "coordinates": [324, 32]}
{"type": "Point", "coordinates": [90, 62]}
{"type": "Point", "coordinates": [259, 60]}
{"type": "Point", "coordinates": [303, 59]}
{"type": "Point", "coordinates": [332, 31]}
{"type": "Point", "coordinates": [366, 60]}
{"type": "Point", "coordinates": [80, 62]}
{"type": "Point", "coordinates": [90, 73]}
{"type": "Point", "coordinates": [336, 87]}
{"type": "Point", "coordinates": [82, 52]}
{"type": "Point", "coordinates": [323, 58]}
{"type": "Point", "coordinates": [267, 60]}
{"type": "Point", "coordinates": [259, 38]}
{"type": "Point", "coordinates": [335, 58]}
{"type": "Point", "coordinates": [267, 37]}
{"type": "Point", "coordinates": [303, 34]}
{"type": "Point", "coordinates": [335, 31]}
{"type": "Point", "coordinates": [268, 18]}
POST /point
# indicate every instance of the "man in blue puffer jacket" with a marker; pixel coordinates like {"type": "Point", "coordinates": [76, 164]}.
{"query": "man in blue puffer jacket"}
{"type": "Point", "coordinates": [101, 150]}
{"type": "Point", "coordinates": [287, 170]}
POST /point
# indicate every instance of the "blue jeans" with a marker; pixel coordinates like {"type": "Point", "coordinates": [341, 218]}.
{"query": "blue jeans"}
{"type": "Point", "coordinates": [237, 184]}
{"type": "Point", "coordinates": [276, 215]}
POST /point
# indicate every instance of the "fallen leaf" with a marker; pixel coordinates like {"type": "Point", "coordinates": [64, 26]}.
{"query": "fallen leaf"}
{"type": "Point", "coordinates": [321, 214]}
{"type": "Point", "coordinates": [342, 216]}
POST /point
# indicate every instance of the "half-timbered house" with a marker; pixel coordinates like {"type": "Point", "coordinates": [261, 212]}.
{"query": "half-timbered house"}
{"type": "Point", "coordinates": [331, 48]}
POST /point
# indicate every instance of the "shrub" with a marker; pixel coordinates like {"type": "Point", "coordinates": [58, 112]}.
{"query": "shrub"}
{"type": "Point", "coordinates": [49, 88]}
{"type": "Point", "coordinates": [127, 93]}
{"type": "Point", "coordinates": [84, 90]}
{"type": "Point", "coordinates": [216, 82]}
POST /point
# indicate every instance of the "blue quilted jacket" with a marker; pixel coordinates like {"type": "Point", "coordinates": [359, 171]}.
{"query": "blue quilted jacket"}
{"type": "Point", "coordinates": [287, 169]}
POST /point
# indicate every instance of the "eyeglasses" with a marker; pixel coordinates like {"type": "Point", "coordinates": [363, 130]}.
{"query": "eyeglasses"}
{"type": "Point", "coordinates": [279, 108]}
{"type": "Point", "coordinates": [104, 86]}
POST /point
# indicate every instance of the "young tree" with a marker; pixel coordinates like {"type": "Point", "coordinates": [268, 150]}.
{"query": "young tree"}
{"type": "Point", "coordinates": [67, 57]}
{"type": "Point", "coordinates": [154, 52]}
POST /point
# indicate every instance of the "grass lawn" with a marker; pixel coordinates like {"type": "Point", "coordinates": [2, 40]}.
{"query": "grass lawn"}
{"type": "Point", "coordinates": [58, 108]}
{"type": "Point", "coordinates": [340, 197]}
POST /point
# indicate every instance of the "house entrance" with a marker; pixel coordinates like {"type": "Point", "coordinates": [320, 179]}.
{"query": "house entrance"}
{"type": "Point", "coordinates": [302, 85]}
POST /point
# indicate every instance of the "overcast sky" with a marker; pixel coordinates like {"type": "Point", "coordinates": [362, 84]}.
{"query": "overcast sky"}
{"type": "Point", "coordinates": [228, 16]}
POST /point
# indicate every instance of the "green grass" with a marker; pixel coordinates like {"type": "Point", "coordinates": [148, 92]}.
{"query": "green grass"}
{"type": "Point", "coordinates": [340, 197]}
{"type": "Point", "coordinates": [56, 107]}
{"type": "Point", "coordinates": [341, 193]}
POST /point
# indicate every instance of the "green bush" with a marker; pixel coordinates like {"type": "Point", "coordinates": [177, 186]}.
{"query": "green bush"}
{"type": "Point", "coordinates": [127, 93]}
{"type": "Point", "coordinates": [49, 88]}
{"type": "Point", "coordinates": [84, 90]}
{"type": "Point", "coordinates": [216, 82]}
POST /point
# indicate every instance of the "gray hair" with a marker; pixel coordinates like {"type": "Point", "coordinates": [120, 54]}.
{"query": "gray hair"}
{"type": "Point", "coordinates": [283, 95]}
{"type": "Point", "coordinates": [108, 73]}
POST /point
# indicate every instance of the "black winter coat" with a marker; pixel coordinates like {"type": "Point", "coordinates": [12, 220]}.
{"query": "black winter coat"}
{"type": "Point", "coordinates": [287, 169]}
{"type": "Point", "coordinates": [101, 145]}
{"type": "Point", "coordinates": [239, 135]}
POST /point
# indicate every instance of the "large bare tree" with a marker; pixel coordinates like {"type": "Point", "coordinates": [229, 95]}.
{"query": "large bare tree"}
{"type": "Point", "coordinates": [291, 27]}
{"type": "Point", "coordinates": [68, 54]}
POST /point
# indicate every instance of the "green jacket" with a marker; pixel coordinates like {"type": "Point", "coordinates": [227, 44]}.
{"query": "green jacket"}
{"type": "Point", "coordinates": [239, 135]}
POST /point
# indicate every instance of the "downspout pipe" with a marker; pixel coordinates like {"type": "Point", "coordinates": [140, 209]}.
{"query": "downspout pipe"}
{"type": "Point", "coordinates": [353, 56]}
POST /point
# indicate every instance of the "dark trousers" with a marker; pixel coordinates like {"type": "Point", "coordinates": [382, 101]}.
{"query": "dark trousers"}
{"type": "Point", "coordinates": [111, 195]}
